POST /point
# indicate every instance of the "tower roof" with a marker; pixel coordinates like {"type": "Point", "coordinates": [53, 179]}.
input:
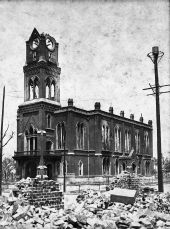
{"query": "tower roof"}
{"type": "Point", "coordinates": [34, 34]}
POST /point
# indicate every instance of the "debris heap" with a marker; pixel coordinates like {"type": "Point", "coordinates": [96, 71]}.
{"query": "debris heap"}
{"type": "Point", "coordinates": [91, 212]}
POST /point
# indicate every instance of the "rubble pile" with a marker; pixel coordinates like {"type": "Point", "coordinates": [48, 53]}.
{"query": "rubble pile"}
{"type": "Point", "coordinates": [93, 210]}
{"type": "Point", "coordinates": [41, 192]}
{"type": "Point", "coordinates": [126, 180]}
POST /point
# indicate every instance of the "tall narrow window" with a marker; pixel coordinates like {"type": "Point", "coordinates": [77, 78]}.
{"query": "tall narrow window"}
{"type": "Point", "coordinates": [116, 166]}
{"type": "Point", "coordinates": [47, 89]}
{"type": "Point", "coordinates": [80, 135]}
{"type": "Point", "coordinates": [146, 141]}
{"type": "Point", "coordinates": [31, 94]}
{"type": "Point", "coordinates": [60, 136]}
{"type": "Point", "coordinates": [53, 90]}
{"type": "Point", "coordinates": [137, 142]}
{"type": "Point", "coordinates": [62, 168]}
{"type": "Point", "coordinates": [106, 166]}
{"type": "Point", "coordinates": [26, 141]}
{"type": "Point", "coordinates": [36, 87]}
{"type": "Point", "coordinates": [80, 168]}
{"type": "Point", "coordinates": [127, 141]}
{"type": "Point", "coordinates": [48, 121]}
{"type": "Point", "coordinates": [117, 139]}
{"type": "Point", "coordinates": [105, 137]}
{"type": "Point", "coordinates": [30, 141]}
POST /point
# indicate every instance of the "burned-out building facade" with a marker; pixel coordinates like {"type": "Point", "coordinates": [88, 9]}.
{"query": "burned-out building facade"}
{"type": "Point", "coordinates": [94, 143]}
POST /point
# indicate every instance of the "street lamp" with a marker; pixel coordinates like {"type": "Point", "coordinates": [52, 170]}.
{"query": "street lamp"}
{"type": "Point", "coordinates": [156, 56]}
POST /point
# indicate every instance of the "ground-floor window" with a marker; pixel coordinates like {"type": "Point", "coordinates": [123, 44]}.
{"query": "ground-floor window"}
{"type": "Point", "coordinates": [62, 168]}
{"type": "Point", "coordinates": [116, 166]}
{"type": "Point", "coordinates": [147, 168]}
{"type": "Point", "coordinates": [106, 166]}
{"type": "Point", "coordinates": [31, 170]}
{"type": "Point", "coordinates": [134, 167]}
{"type": "Point", "coordinates": [80, 168]}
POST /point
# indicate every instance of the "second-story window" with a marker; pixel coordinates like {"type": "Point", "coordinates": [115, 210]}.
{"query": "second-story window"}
{"type": "Point", "coordinates": [137, 141]}
{"type": "Point", "coordinates": [80, 135]}
{"type": "Point", "coordinates": [117, 134]}
{"type": "Point", "coordinates": [146, 141]}
{"type": "Point", "coordinates": [30, 140]}
{"type": "Point", "coordinates": [60, 135]}
{"type": "Point", "coordinates": [49, 146]}
{"type": "Point", "coordinates": [105, 137]}
{"type": "Point", "coordinates": [127, 141]}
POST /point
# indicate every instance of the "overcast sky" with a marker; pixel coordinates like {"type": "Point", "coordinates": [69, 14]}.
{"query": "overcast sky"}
{"type": "Point", "coordinates": [103, 48]}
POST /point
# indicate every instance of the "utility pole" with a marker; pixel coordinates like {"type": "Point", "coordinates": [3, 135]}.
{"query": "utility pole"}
{"type": "Point", "coordinates": [64, 163]}
{"type": "Point", "coordinates": [1, 140]}
{"type": "Point", "coordinates": [156, 56]}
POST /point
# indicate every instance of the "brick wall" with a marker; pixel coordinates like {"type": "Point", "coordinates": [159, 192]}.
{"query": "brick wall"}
{"type": "Point", "coordinates": [43, 193]}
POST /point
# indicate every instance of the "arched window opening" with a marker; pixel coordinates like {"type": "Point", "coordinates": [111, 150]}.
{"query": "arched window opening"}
{"type": "Point", "coordinates": [36, 85]}
{"type": "Point", "coordinates": [137, 142]}
{"type": "Point", "coordinates": [31, 90]}
{"type": "Point", "coordinates": [35, 139]}
{"type": "Point", "coordinates": [147, 168]}
{"type": "Point", "coordinates": [127, 141]}
{"type": "Point", "coordinates": [106, 166]}
{"type": "Point", "coordinates": [47, 89]}
{"type": "Point", "coordinates": [80, 168]}
{"type": "Point", "coordinates": [30, 140]}
{"type": "Point", "coordinates": [26, 141]}
{"type": "Point", "coordinates": [48, 121]}
{"type": "Point", "coordinates": [146, 142]}
{"type": "Point", "coordinates": [49, 145]}
{"type": "Point", "coordinates": [124, 166]}
{"type": "Point", "coordinates": [117, 167]}
{"type": "Point", "coordinates": [80, 136]}
{"type": "Point", "coordinates": [133, 167]}
{"type": "Point", "coordinates": [105, 137]}
{"type": "Point", "coordinates": [53, 90]}
{"type": "Point", "coordinates": [62, 168]}
{"type": "Point", "coordinates": [60, 136]}
{"type": "Point", "coordinates": [117, 139]}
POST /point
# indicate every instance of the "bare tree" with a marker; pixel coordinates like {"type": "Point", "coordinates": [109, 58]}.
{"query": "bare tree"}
{"type": "Point", "coordinates": [2, 145]}
{"type": "Point", "coordinates": [4, 135]}
{"type": "Point", "coordinates": [8, 169]}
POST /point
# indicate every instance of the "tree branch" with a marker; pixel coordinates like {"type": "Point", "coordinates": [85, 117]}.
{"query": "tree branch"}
{"type": "Point", "coordinates": [9, 139]}
{"type": "Point", "coordinates": [5, 131]}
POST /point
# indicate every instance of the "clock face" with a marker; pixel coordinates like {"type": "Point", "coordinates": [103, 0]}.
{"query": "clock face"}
{"type": "Point", "coordinates": [35, 43]}
{"type": "Point", "coordinates": [50, 44]}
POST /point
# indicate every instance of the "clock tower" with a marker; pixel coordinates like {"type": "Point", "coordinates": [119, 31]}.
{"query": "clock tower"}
{"type": "Point", "coordinates": [35, 116]}
{"type": "Point", "coordinates": [41, 72]}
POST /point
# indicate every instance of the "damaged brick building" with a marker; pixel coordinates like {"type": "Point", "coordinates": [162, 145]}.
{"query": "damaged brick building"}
{"type": "Point", "coordinates": [95, 143]}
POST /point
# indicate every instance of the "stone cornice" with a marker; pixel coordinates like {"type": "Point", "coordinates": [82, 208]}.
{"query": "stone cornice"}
{"type": "Point", "coordinates": [104, 114]}
{"type": "Point", "coordinates": [36, 104]}
{"type": "Point", "coordinates": [40, 100]}
{"type": "Point", "coordinates": [33, 68]}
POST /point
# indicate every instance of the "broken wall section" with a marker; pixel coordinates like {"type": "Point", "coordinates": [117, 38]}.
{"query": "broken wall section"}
{"type": "Point", "coordinates": [42, 193]}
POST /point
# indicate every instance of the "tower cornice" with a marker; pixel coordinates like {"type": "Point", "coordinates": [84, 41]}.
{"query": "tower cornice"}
{"type": "Point", "coordinates": [35, 68]}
